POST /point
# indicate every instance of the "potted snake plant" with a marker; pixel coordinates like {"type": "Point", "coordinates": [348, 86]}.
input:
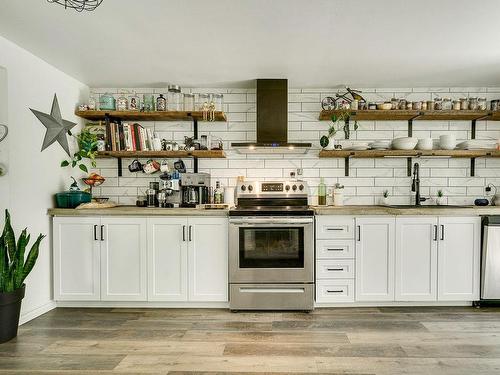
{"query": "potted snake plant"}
{"type": "Point", "coordinates": [14, 267]}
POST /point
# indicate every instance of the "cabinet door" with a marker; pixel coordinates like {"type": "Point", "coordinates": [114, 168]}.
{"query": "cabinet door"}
{"type": "Point", "coordinates": [458, 258]}
{"type": "Point", "coordinates": [76, 259]}
{"type": "Point", "coordinates": [167, 259]}
{"type": "Point", "coordinates": [207, 259]}
{"type": "Point", "coordinates": [416, 258]}
{"type": "Point", "coordinates": [123, 259]}
{"type": "Point", "coordinates": [375, 259]}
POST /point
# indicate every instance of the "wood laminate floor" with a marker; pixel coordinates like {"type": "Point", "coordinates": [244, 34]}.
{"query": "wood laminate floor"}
{"type": "Point", "coordinates": [413, 340]}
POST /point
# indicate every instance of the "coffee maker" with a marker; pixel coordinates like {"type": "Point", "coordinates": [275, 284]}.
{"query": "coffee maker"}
{"type": "Point", "coordinates": [194, 189]}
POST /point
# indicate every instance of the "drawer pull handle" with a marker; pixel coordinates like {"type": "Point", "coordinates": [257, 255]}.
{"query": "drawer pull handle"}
{"type": "Point", "coordinates": [330, 229]}
{"type": "Point", "coordinates": [329, 249]}
{"type": "Point", "coordinates": [335, 291]}
{"type": "Point", "coordinates": [334, 269]}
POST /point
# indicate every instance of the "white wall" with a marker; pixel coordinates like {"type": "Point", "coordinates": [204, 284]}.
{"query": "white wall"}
{"type": "Point", "coordinates": [4, 187]}
{"type": "Point", "coordinates": [34, 176]}
{"type": "Point", "coordinates": [368, 177]}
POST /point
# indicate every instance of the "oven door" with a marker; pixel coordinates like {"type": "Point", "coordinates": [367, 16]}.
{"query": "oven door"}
{"type": "Point", "coordinates": [271, 250]}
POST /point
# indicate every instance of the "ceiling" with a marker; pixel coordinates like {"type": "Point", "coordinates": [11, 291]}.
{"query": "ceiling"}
{"type": "Point", "coordinates": [313, 43]}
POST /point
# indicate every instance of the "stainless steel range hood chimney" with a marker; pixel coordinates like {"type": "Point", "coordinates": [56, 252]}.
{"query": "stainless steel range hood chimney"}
{"type": "Point", "coordinates": [272, 121]}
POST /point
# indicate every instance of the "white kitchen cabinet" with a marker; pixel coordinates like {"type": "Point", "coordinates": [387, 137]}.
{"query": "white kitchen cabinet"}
{"type": "Point", "coordinates": [334, 227]}
{"type": "Point", "coordinates": [207, 259]}
{"type": "Point", "coordinates": [375, 258]}
{"type": "Point", "coordinates": [123, 259]}
{"type": "Point", "coordinates": [458, 258]}
{"type": "Point", "coordinates": [416, 258]}
{"type": "Point", "coordinates": [167, 259]}
{"type": "Point", "coordinates": [76, 259]}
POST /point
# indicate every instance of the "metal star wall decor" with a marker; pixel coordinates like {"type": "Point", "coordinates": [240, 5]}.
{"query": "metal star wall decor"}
{"type": "Point", "coordinates": [57, 128]}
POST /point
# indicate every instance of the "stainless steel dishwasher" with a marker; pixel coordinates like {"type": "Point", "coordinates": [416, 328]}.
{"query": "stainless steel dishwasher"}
{"type": "Point", "coordinates": [490, 259]}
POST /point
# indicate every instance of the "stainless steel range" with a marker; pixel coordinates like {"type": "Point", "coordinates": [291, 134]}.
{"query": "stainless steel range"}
{"type": "Point", "coordinates": [271, 247]}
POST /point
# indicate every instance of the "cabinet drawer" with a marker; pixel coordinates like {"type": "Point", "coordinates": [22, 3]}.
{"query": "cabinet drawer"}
{"type": "Point", "coordinates": [338, 290]}
{"type": "Point", "coordinates": [334, 227]}
{"type": "Point", "coordinates": [332, 249]}
{"type": "Point", "coordinates": [335, 269]}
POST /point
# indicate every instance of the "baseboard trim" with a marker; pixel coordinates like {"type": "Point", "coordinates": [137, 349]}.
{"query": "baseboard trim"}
{"type": "Point", "coordinates": [141, 304]}
{"type": "Point", "coordinates": [30, 315]}
{"type": "Point", "coordinates": [393, 304]}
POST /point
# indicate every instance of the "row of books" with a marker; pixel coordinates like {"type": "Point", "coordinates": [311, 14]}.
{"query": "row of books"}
{"type": "Point", "coordinates": [128, 137]}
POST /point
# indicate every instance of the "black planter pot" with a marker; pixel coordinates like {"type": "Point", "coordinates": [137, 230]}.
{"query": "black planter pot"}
{"type": "Point", "coordinates": [10, 308]}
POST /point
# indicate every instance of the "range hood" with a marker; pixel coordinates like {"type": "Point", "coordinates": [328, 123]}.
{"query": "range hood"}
{"type": "Point", "coordinates": [272, 121]}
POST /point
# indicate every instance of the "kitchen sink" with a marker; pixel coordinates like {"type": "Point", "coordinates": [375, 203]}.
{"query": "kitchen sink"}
{"type": "Point", "coordinates": [422, 206]}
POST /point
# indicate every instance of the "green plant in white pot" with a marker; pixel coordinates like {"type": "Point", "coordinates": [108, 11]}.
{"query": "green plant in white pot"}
{"type": "Point", "coordinates": [14, 267]}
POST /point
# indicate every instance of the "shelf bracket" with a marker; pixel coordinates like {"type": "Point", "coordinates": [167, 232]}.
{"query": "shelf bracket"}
{"type": "Point", "coordinates": [119, 161]}
{"type": "Point", "coordinates": [346, 166]}
{"type": "Point", "coordinates": [472, 167]}
{"type": "Point", "coordinates": [195, 135]}
{"type": "Point", "coordinates": [473, 129]}
{"type": "Point", "coordinates": [408, 166]}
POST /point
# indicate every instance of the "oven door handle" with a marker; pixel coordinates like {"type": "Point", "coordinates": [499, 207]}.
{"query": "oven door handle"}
{"type": "Point", "coordinates": [271, 222]}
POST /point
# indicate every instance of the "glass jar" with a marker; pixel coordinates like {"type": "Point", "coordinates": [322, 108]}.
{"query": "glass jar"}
{"type": "Point", "coordinates": [218, 101]}
{"type": "Point", "coordinates": [134, 102]}
{"type": "Point", "coordinates": [189, 102]}
{"type": "Point", "coordinates": [402, 103]}
{"type": "Point", "coordinates": [430, 105]}
{"type": "Point", "coordinates": [394, 103]}
{"type": "Point", "coordinates": [456, 105]}
{"type": "Point", "coordinates": [122, 103]}
{"type": "Point", "coordinates": [447, 104]}
{"type": "Point", "coordinates": [107, 102]}
{"type": "Point", "coordinates": [174, 98]}
{"type": "Point", "coordinates": [424, 105]}
{"type": "Point", "coordinates": [481, 103]}
{"type": "Point", "coordinates": [473, 104]}
{"type": "Point", "coordinates": [438, 104]}
{"type": "Point", "coordinates": [92, 102]}
{"type": "Point", "coordinates": [148, 102]}
{"type": "Point", "coordinates": [161, 103]}
{"type": "Point", "coordinates": [417, 106]}
{"type": "Point", "coordinates": [362, 105]}
{"type": "Point", "coordinates": [495, 105]}
{"type": "Point", "coordinates": [372, 105]}
{"type": "Point", "coordinates": [464, 104]}
{"type": "Point", "coordinates": [203, 101]}
{"type": "Point", "coordinates": [354, 105]}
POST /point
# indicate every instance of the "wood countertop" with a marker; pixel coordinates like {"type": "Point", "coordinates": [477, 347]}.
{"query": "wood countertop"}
{"type": "Point", "coordinates": [319, 210]}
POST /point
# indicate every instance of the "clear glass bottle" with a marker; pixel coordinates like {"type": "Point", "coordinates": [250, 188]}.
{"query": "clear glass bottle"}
{"type": "Point", "coordinates": [218, 193]}
{"type": "Point", "coordinates": [188, 102]}
{"type": "Point", "coordinates": [161, 103]}
{"type": "Point", "coordinates": [122, 103]}
{"type": "Point", "coordinates": [134, 102]}
{"type": "Point", "coordinates": [322, 192]}
{"type": "Point", "coordinates": [174, 98]}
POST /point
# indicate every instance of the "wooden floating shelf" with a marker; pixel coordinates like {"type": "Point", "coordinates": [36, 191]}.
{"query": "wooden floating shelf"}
{"type": "Point", "coordinates": [148, 116]}
{"type": "Point", "coordinates": [198, 154]}
{"type": "Point", "coordinates": [400, 115]}
{"type": "Point", "coordinates": [408, 153]}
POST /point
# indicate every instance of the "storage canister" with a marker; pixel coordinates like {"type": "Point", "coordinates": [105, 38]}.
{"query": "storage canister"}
{"type": "Point", "coordinates": [174, 98]}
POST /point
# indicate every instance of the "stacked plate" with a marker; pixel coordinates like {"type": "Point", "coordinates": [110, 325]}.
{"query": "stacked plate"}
{"type": "Point", "coordinates": [380, 145]}
{"type": "Point", "coordinates": [404, 143]}
{"type": "Point", "coordinates": [354, 145]}
{"type": "Point", "coordinates": [477, 144]}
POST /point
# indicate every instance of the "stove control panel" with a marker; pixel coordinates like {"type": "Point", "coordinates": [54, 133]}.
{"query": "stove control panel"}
{"type": "Point", "coordinates": [272, 188]}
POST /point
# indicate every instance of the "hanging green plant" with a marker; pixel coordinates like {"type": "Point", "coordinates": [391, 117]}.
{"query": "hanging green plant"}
{"type": "Point", "coordinates": [340, 121]}
{"type": "Point", "coordinates": [87, 145]}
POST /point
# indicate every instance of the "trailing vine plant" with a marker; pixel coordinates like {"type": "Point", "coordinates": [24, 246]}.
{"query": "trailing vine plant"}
{"type": "Point", "coordinates": [339, 122]}
{"type": "Point", "coordinates": [87, 149]}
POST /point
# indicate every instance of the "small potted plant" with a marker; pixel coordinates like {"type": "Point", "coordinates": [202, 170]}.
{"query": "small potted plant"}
{"type": "Point", "coordinates": [440, 200]}
{"type": "Point", "coordinates": [13, 270]}
{"type": "Point", "coordinates": [385, 198]}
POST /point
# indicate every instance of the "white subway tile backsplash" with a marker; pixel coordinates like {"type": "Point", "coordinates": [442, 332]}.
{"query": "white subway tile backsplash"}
{"type": "Point", "coordinates": [368, 177]}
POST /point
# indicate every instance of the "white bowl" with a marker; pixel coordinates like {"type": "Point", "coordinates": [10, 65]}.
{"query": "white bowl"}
{"type": "Point", "coordinates": [425, 144]}
{"type": "Point", "coordinates": [404, 143]}
{"type": "Point", "coordinates": [447, 145]}
{"type": "Point", "coordinates": [447, 138]}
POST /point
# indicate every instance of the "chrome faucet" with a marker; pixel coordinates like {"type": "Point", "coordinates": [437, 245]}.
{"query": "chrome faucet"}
{"type": "Point", "coordinates": [415, 185]}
